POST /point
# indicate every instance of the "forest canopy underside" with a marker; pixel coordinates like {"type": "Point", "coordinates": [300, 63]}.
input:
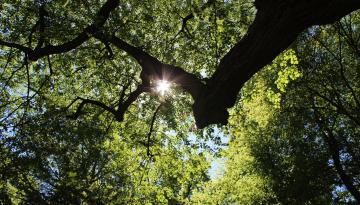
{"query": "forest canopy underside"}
{"type": "Point", "coordinates": [118, 102]}
{"type": "Point", "coordinates": [276, 25]}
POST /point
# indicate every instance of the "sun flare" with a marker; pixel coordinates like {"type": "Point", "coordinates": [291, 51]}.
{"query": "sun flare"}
{"type": "Point", "coordinates": [162, 86]}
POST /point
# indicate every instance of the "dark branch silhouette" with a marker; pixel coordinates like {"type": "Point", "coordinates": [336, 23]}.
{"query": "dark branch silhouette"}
{"type": "Point", "coordinates": [191, 16]}
{"type": "Point", "coordinates": [38, 52]}
{"type": "Point", "coordinates": [88, 101]}
{"type": "Point", "coordinates": [334, 149]}
{"type": "Point", "coordinates": [153, 69]}
{"type": "Point", "coordinates": [122, 106]}
{"type": "Point", "coordinates": [148, 152]}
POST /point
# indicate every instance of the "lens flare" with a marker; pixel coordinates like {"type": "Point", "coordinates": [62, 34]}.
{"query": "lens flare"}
{"type": "Point", "coordinates": [162, 86]}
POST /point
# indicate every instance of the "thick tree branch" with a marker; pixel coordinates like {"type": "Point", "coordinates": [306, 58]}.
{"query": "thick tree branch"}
{"type": "Point", "coordinates": [15, 45]}
{"type": "Point", "coordinates": [153, 69]}
{"type": "Point", "coordinates": [38, 52]}
{"type": "Point", "coordinates": [276, 25]}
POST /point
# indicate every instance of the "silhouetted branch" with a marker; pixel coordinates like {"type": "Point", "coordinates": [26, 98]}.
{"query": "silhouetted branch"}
{"type": "Point", "coordinates": [190, 16]}
{"type": "Point", "coordinates": [264, 41]}
{"type": "Point", "coordinates": [88, 101]}
{"type": "Point", "coordinates": [148, 152]}
{"type": "Point", "coordinates": [131, 98]}
{"type": "Point", "coordinates": [335, 154]}
{"type": "Point", "coordinates": [122, 107]}
{"type": "Point", "coordinates": [39, 52]}
{"type": "Point", "coordinates": [42, 14]}
{"type": "Point", "coordinates": [153, 69]}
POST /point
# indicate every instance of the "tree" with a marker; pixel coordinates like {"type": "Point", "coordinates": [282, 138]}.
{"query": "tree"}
{"type": "Point", "coordinates": [262, 43]}
{"type": "Point", "coordinates": [82, 121]}
{"type": "Point", "coordinates": [334, 102]}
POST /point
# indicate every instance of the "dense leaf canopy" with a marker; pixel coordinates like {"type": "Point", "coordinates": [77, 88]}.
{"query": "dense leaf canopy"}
{"type": "Point", "coordinates": [82, 120]}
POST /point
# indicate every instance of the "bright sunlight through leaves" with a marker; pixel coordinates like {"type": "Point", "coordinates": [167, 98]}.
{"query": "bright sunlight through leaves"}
{"type": "Point", "coordinates": [162, 86]}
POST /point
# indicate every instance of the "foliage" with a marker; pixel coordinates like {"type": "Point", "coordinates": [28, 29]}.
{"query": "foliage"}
{"type": "Point", "coordinates": [296, 120]}
{"type": "Point", "coordinates": [294, 133]}
{"type": "Point", "coordinates": [47, 158]}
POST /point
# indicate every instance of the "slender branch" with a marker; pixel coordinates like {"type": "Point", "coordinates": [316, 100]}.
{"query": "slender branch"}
{"type": "Point", "coordinates": [148, 152]}
{"type": "Point", "coordinates": [28, 99]}
{"type": "Point", "coordinates": [122, 94]}
{"type": "Point", "coordinates": [42, 14]}
{"type": "Point", "coordinates": [339, 59]}
{"type": "Point", "coordinates": [122, 107]}
{"type": "Point", "coordinates": [339, 107]}
{"type": "Point", "coordinates": [190, 16]}
{"type": "Point", "coordinates": [347, 83]}
{"type": "Point", "coordinates": [15, 45]}
{"type": "Point", "coordinates": [335, 153]}
{"type": "Point", "coordinates": [7, 82]}
{"type": "Point", "coordinates": [131, 98]}
{"type": "Point", "coordinates": [88, 101]}
{"type": "Point", "coordinates": [9, 57]}
{"type": "Point", "coordinates": [353, 43]}
{"type": "Point", "coordinates": [39, 52]}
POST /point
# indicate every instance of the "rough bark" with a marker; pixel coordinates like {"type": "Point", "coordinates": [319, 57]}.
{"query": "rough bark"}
{"type": "Point", "coordinates": [277, 24]}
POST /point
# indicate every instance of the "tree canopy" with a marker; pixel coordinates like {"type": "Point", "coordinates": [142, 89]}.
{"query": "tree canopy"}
{"type": "Point", "coordinates": [122, 102]}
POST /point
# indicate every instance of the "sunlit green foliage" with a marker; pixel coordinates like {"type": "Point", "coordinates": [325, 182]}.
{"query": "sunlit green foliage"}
{"type": "Point", "coordinates": [48, 158]}
{"type": "Point", "coordinates": [284, 128]}
{"type": "Point", "coordinates": [278, 151]}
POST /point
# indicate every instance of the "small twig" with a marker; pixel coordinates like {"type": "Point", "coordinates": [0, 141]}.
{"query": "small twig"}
{"type": "Point", "coordinates": [36, 92]}
{"type": "Point", "coordinates": [10, 56]}
{"type": "Point", "coordinates": [185, 20]}
{"type": "Point", "coordinates": [12, 75]}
